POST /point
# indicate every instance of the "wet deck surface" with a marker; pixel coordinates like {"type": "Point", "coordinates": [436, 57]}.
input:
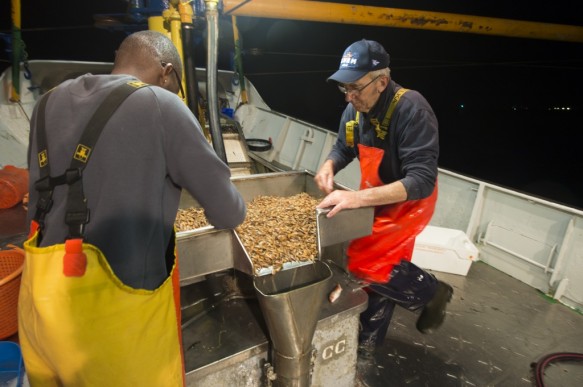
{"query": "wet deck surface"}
{"type": "Point", "coordinates": [496, 328]}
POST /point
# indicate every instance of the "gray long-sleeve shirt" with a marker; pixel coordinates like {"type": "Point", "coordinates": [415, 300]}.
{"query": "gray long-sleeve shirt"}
{"type": "Point", "coordinates": [411, 145]}
{"type": "Point", "coordinates": [150, 149]}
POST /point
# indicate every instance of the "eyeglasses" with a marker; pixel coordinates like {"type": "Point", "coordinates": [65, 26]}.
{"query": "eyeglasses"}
{"type": "Point", "coordinates": [355, 90]}
{"type": "Point", "coordinates": [182, 94]}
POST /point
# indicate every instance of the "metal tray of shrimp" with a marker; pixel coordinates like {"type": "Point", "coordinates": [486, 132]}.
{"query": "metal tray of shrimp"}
{"type": "Point", "coordinates": [206, 250]}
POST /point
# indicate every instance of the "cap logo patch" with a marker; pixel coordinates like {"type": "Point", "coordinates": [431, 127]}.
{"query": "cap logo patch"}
{"type": "Point", "coordinates": [348, 60]}
{"type": "Point", "coordinates": [375, 62]}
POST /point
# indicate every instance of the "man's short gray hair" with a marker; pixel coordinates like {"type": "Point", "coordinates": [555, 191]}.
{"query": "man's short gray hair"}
{"type": "Point", "coordinates": [377, 73]}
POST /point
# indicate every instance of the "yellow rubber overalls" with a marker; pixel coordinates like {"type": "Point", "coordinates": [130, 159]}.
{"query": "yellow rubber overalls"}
{"type": "Point", "coordinates": [79, 325]}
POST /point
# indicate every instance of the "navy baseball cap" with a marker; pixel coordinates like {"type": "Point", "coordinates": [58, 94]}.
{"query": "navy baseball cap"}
{"type": "Point", "coordinates": [359, 59]}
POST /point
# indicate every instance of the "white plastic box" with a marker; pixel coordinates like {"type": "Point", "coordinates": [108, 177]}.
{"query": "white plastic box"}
{"type": "Point", "coordinates": [444, 249]}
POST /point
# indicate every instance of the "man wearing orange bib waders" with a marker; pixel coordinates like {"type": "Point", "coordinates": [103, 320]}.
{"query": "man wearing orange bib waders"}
{"type": "Point", "coordinates": [394, 134]}
{"type": "Point", "coordinates": [109, 155]}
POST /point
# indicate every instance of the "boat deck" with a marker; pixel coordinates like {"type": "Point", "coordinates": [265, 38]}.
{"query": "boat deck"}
{"type": "Point", "coordinates": [496, 328]}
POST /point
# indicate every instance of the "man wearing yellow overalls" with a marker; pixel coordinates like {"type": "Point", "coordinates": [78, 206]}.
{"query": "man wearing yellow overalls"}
{"type": "Point", "coordinates": [394, 134]}
{"type": "Point", "coordinates": [109, 155]}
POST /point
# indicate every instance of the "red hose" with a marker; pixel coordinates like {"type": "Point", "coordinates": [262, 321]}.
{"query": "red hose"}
{"type": "Point", "coordinates": [547, 359]}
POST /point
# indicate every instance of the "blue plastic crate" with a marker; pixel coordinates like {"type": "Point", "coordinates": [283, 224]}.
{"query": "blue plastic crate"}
{"type": "Point", "coordinates": [11, 365]}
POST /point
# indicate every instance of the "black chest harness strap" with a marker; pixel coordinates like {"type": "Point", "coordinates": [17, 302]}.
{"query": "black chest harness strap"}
{"type": "Point", "coordinates": [77, 213]}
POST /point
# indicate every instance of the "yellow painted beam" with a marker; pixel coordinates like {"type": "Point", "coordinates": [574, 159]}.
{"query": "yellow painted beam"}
{"type": "Point", "coordinates": [401, 18]}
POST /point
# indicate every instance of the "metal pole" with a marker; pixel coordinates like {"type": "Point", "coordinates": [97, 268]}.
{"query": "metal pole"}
{"type": "Point", "coordinates": [16, 52]}
{"type": "Point", "coordinates": [173, 17]}
{"type": "Point", "coordinates": [187, 35]}
{"type": "Point", "coordinates": [190, 69]}
{"type": "Point", "coordinates": [212, 17]}
{"type": "Point", "coordinates": [239, 60]}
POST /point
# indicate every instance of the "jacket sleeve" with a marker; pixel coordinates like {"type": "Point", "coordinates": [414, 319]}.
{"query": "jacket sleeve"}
{"type": "Point", "coordinates": [418, 147]}
{"type": "Point", "coordinates": [194, 165]}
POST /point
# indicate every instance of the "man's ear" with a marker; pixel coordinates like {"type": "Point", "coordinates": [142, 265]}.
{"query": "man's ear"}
{"type": "Point", "coordinates": [383, 83]}
{"type": "Point", "coordinates": [164, 76]}
{"type": "Point", "coordinates": [168, 69]}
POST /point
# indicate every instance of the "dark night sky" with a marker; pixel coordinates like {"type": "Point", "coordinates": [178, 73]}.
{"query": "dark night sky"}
{"type": "Point", "coordinates": [504, 133]}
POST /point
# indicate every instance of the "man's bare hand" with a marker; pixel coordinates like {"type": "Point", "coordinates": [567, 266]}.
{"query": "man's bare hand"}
{"type": "Point", "coordinates": [325, 177]}
{"type": "Point", "coordinates": [340, 200]}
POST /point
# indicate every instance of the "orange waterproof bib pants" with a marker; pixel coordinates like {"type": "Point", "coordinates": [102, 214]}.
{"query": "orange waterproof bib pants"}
{"type": "Point", "coordinates": [395, 226]}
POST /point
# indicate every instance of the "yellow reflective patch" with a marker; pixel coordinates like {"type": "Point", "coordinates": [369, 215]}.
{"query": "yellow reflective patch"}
{"type": "Point", "coordinates": [350, 132]}
{"type": "Point", "coordinates": [43, 158]}
{"type": "Point", "coordinates": [380, 131]}
{"type": "Point", "coordinates": [82, 153]}
{"type": "Point", "coordinates": [137, 84]}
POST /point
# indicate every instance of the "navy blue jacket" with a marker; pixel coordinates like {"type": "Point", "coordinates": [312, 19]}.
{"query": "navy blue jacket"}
{"type": "Point", "coordinates": [411, 145]}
